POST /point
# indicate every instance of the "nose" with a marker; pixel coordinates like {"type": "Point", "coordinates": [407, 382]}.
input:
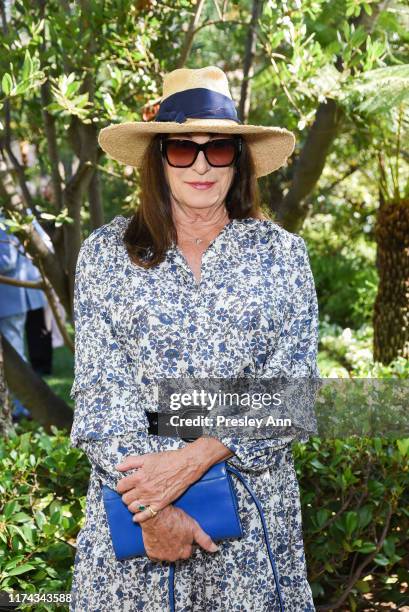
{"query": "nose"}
{"type": "Point", "coordinates": [201, 165]}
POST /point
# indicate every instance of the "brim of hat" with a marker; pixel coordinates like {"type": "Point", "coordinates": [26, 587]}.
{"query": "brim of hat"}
{"type": "Point", "coordinates": [127, 142]}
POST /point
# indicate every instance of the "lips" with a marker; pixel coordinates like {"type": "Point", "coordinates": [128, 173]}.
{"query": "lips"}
{"type": "Point", "coordinates": [201, 185]}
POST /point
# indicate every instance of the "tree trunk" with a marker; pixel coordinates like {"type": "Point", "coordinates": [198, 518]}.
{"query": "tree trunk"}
{"type": "Point", "coordinates": [391, 311]}
{"type": "Point", "coordinates": [95, 201]}
{"type": "Point", "coordinates": [45, 407]}
{"type": "Point", "coordinates": [248, 65]}
{"type": "Point", "coordinates": [190, 34]}
{"type": "Point", "coordinates": [6, 423]}
{"type": "Point", "coordinates": [308, 168]}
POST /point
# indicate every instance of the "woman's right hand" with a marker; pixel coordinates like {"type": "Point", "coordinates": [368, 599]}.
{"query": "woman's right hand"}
{"type": "Point", "coordinates": [170, 535]}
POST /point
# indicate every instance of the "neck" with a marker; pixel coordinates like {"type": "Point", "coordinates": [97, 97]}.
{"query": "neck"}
{"type": "Point", "coordinates": [199, 222]}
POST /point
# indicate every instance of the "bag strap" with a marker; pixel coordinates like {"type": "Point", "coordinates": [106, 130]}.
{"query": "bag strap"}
{"type": "Point", "coordinates": [172, 587]}
{"type": "Point", "coordinates": [266, 538]}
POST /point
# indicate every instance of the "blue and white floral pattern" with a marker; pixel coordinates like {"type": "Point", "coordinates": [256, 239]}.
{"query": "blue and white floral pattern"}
{"type": "Point", "coordinates": [254, 313]}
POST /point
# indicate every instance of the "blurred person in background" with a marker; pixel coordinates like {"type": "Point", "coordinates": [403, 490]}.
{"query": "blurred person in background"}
{"type": "Point", "coordinates": [22, 309]}
{"type": "Point", "coordinates": [38, 322]}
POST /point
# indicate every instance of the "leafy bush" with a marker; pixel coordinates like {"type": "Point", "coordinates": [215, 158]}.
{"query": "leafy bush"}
{"type": "Point", "coordinates": [42, 490]}
{"type": "Point", "coordinates": [351, 492]}
{"type": "Point", "coordinates": [344, 272]}
{"type": "Point", "coordinates": [355, 500]}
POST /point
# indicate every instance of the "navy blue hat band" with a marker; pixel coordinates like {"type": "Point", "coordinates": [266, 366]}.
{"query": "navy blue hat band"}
{"type": "Point", "coordinates": [199, 103]}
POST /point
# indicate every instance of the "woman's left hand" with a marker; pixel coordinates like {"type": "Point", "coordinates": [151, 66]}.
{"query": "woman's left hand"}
{"type": "Point", "coordinates": [160, 479]}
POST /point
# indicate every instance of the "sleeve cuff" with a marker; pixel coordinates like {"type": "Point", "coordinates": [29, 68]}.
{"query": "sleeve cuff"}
{"type": "Point", "coordinates": [253, 454]}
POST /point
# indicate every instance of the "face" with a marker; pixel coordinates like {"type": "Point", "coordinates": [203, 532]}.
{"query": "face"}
{"type": "Point", "coordinates": [180, 179]}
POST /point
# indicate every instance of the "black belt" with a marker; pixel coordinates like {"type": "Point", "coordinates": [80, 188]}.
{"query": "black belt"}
{"type": "Point", "coordinates": [160, 420]}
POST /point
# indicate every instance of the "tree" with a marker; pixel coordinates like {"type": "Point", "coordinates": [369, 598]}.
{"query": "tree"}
{"type": "Point", "coordinates": [68, 70]}
{"type": "Point", "coordinates": [6, 424]}
{"type": "Point", "coordinates": [384, 95]}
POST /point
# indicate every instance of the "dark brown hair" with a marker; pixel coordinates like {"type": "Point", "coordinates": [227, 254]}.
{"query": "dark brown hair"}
{"type": "Point", "coordinates": [151, 230]}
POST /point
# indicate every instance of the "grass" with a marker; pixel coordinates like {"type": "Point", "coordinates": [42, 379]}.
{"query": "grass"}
{"type": "Point", "coordinates": [62, 377]}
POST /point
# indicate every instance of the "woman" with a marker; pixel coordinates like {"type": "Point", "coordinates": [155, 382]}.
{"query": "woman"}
{"type": "Point", "coordinates": [196, 283]}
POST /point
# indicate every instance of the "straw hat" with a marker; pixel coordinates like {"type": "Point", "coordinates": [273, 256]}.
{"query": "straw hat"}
{"type": "Point", "coordinates": [197, 100]}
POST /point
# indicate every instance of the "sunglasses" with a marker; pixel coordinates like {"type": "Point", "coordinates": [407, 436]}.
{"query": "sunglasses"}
{"type": "Point", "coordinates": [181, 153]}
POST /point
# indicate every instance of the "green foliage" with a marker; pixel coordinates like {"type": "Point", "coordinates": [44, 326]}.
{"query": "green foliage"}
{"type": "Point", "coordinates": [68, 102]}
{"type": "Point", "coordinates": [30, 77]}
{"type": "Point", "coordinates": [98, 63]}
{"type": "Point", "coordinates": [319, 49]}
{"type": "Point", "coordinates": [352, 352]}
{"type": "Point", "coordinates": [345, 277]}
{"type": "Point", "coordinates": [83, 64]}
{"type": "Point", "coordinates": [382, 94]}
{"type": "Point", "coordinates": [42, 491]}
{"type": "Point", "coordinates": [348, 488]}
{"type": "Point", "coordinates": [383, 88]}
{"type": "Point", "coordinates": [355, 499]}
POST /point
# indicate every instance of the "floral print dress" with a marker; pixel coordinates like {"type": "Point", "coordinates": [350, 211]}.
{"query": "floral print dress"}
{"type": "Point", "coordinates": [255, 312]}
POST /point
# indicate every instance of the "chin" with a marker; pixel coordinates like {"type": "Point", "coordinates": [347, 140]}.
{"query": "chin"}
{"type": "Point", "coordinates": [200, 196]}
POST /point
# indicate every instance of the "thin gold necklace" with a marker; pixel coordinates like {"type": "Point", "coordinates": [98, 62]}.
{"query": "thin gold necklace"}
{"type": "Point", "coordinates": [199, 240]}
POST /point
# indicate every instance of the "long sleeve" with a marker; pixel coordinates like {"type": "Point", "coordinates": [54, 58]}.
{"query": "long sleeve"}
{"type": "Point", "coordinates": [105, 454]}
{"type": "Point", "coordinates": [105, 386]}
{"type": "Point", "coordinates": [293, 356]}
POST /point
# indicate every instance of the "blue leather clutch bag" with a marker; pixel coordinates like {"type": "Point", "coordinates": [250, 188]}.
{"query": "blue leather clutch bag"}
{"type": "Point", "coordinates": [211, 501]}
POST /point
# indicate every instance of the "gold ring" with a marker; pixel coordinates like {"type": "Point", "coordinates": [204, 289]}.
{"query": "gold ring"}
{"type": "Point", "coordinates": [153, 512]}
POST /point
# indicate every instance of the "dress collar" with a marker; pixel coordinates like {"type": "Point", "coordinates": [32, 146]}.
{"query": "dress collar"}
{"type": "Point", "coordinates": [226, 243]}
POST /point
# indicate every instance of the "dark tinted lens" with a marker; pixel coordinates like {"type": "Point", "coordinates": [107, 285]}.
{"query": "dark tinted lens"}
{"type": "Point", "coordinates": [221, 152]}
{"type": "Point", "coordinates": [180, 152]}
